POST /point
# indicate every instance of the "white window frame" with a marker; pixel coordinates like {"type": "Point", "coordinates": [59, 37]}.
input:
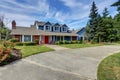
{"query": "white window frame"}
{"type": "Point", "coordinates": [64, 28]}
{"type": "Point", "coordinates": [58, 28]}
{"type": "Point", "coordinates": [48, 28]}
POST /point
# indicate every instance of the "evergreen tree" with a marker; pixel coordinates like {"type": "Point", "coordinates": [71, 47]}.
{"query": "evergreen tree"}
{"type": "Point", "coordinates": [105, 13]}
{"type": "Point", "coordinates": [100, 31]}
{"type": "Point", "coordinates": [117, 25]}
{"type": "Point", "coordinates": [92, 23]}
{"type": "Point", "coordinates": [117, 4]}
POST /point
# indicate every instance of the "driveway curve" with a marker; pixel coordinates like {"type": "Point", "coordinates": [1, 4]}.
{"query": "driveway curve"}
{"type": "Point", "coordinates": [67, 64]}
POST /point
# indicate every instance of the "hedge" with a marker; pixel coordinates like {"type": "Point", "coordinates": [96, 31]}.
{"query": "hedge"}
{"type": "Point", "coordinates": [25, 43]}
{"type": "Point", "coordinates": [69, 42]}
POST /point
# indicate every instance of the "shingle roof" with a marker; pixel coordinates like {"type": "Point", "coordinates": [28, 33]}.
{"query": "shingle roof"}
{"type": "Point", "coordinates": [33, 31]}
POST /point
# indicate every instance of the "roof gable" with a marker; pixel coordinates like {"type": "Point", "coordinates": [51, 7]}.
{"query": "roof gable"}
{"type": "Point", "coordinates": [48, 23]}
{"type": "Point", "coordinates": [56, 24]}
{"type": "Point", "coordinates": [81, 31]}
{"type": "Point", "coordinates": [64, 25]}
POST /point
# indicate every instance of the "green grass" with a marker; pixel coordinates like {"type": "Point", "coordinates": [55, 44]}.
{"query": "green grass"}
{"type": "Point", "coordinates": [109, 68]}
{"type": "Point", "coordinates": [31, 50]}
{"type": "Point", "coordinates": [73, 46]}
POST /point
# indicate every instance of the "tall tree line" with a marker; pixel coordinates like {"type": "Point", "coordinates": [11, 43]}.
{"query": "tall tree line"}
{"type": "Point", "coordinates": [103, 28]}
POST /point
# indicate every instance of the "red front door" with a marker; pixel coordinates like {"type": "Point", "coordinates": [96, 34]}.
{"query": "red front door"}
{"type": "Point", "coordinates": [46, 39]}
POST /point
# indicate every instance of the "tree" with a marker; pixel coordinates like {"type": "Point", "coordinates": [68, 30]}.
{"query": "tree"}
{"type": "Point", "coordinates": [92, 23]}
{"type": "Point", "coordinates": [117, 25]}
{"type": "Point", "coordinates": [105, 13]}
{"type": "Point", "coordinates": [117, 19]}
{"type": "Point", "coordinates": [117, 4]}
{"type": "Point", "coordinates": [100, 31]}
{"type": "Point", "coordinates": [4, 31]}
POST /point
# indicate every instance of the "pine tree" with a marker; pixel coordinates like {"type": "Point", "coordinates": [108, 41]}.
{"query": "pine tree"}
{"type": "Point", "coordinates": [92, 23]}
{"type": "Point", "coordinates": [100, 31]}
{"type": "Point", "coordinates": [105, 13]}
{"type": "Point", "coordinates": [117, 4]}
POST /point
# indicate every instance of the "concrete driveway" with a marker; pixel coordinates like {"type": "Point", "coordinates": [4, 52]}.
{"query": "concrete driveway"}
{"type": "Point", "coordinates": [67, 64]}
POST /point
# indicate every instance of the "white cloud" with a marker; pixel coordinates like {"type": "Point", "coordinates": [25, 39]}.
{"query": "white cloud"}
{"type": "Point", "coordinates": [79, 11]}
{"type": "Point", "coordinates": [21, 20]}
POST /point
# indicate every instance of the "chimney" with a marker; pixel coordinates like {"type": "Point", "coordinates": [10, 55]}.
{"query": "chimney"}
{"type": "Point", "coordinates": [13, 24]}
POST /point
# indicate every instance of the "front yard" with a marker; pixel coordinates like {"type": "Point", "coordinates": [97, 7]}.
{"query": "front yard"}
{"type": "Point", "coordinates": [109, 68]}
{"type": "Point", "coordinates": [73, 46]}
{"type": "Point", "coordinates": [31, 50]}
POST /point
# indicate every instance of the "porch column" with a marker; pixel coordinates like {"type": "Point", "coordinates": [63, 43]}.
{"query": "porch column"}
{"type": "Point", "coordinates": [63, 38]}
{"type": "Point", "coordinates": [22, 38]}
{"type": "Point", "coordinates": [77, 37]}
{"type": "Point", "coordinates": [40, 39]}
{"type": "Point", "coordinates": [60, 38]}
{"type": "Point", "coordinates": [31, 38]}
{"type": "Point", "coordinates": [50, 39]}
{"type": "Point", "coordinates": [83, 38]}
{"type": "Point", "coordinates": [71, 38]}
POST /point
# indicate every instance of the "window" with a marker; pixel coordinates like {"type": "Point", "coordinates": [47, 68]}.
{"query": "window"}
{"type": "Point", "coordinates": [47, 27]}
{"type": "Point", "coordinates": [41, 27]}
{"type": "Point", "coordinates": [64, 29]}
{"type": "Point", "coordinates": [27, 38]}
{"type": "Point", "coordinates": [56, 28]}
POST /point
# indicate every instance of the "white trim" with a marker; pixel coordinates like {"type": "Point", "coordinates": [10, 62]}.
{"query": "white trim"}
{"type": "Point", "coordinates": [44, 28]}
{"type": "Point", "coordinates": [50, 38]}
{"type": "Point", "coordinates": [62, 29]}
{"type": "Point", "coordinates": [50, 28]}
{"type": "Point", "coordinates": [22, 38]}
{"type": "Point", "coordinates": [60, 38]}
{"type": "Point", "coordinates": [71, 38]}
{"type": "Point", "coordinates": [63, 38]}
{"type": "Point", "coordinates": [31, 38]}
{"type": "Point", "coordinates": [56, 30]}
{"type": "Point", "coordinates": [40, 39]}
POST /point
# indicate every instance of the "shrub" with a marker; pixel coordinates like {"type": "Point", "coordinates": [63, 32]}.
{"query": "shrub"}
{"type": "Point", "coordinates": [25, 43]}
{"type": "Point", "coordinates": [29, 43]}
{"type": "Point", "coordinates": [58, 42]}
{"type": "Point", "coordinates": [74, 42]}
{"type": "Point", "coordinates": [94, 42]}
{"type": "Point", "coordinates": [13, 40]}
{"type": "Point", "coordinates": [69, 42]}
{"type": "Point", "coordinates": [8, 44]}
{"type": "Point", "coordinates": [65, 42]}
{"type": "Point", "coordinates": [80, 42]}
{"type": "Point", "coordinates": [19, 43]}
{"type": "Point", "coordinates": [36, 41]}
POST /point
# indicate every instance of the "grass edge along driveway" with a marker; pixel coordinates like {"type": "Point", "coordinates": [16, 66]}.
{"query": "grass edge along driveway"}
{"type": "Point", "coordinates": [31, 50]}
{"type": "Point", "coordinates": [109, 68]}
{"type": "Point", "coordinates": [73, 46]}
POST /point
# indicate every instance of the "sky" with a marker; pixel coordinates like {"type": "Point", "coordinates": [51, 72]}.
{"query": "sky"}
{"type": "Point", "coordinates": [74, 13]}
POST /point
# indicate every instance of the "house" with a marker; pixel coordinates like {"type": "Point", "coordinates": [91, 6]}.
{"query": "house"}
{"type": "Point", "coordinates": [43, 32]}
{"type": "Point", "coordinates": [81, 33]}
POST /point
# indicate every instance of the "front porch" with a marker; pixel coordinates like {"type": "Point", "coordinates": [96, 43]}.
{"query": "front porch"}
{"type": "Point", "coordinates": [44, 39]}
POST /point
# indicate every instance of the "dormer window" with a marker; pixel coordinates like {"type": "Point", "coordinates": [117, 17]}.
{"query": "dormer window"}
{"type": "Point", "coordinates": [64, 29]}
{"type": "Point", "coordinates": [48, 28]}
{"type": "Point", "coordinates": [41, 27]}
{"type": "Point", "coordinates": [56, 28]}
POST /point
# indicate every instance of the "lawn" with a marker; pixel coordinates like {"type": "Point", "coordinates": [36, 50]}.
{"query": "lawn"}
{"type": "Point", "coordinates": [73, 46]}
{"type": "Point", "coordinates": [109, 68]}
{"type": "Point", "coordinates": [31, 50]}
